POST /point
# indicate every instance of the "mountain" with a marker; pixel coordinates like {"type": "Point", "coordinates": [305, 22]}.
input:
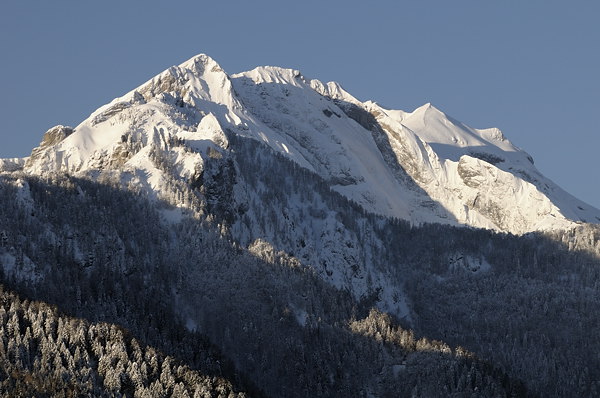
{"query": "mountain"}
{"type": "Point", "coordinates": [283, 238]}
{"type": "Point", "coordinates": [421, 166]}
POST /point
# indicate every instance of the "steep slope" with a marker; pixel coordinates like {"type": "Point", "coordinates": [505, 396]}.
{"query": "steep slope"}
{"type": "Point", "coordinates": [108, 254]}
{"type": "Point", "coordinates": [421, 166]}
{"type": "Point", "coordinates": [479, 174]}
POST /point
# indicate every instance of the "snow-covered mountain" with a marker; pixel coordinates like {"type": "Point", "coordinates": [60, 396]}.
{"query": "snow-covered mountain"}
{"type": "Point", "coordinates": [421, 166]}
{"type": "Point", "coordinates": [280, 217]}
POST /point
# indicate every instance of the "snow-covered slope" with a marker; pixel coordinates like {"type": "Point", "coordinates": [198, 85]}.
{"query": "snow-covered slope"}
{"type": "Point", "coordinates": [422, 166]}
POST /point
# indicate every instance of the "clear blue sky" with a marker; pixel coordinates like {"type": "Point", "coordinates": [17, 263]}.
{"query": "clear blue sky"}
{"type": "Point", "coordinates": [530, 67]}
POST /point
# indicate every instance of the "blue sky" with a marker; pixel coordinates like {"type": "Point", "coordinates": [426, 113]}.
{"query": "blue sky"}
{"type": "Point", "coordinates": [530, 68]}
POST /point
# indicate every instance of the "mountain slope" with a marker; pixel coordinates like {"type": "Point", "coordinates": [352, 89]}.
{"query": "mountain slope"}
{"type": "Point", "coordinates": [421, 166]}
{"type": "Point", "coordinates": [109, 254]}
{"type": "Point", "coordinates": [277, 217]}
{"type": "Point", "coordinates": [106, 254]}
{"type": "Point", "coordinates": [193, 126]}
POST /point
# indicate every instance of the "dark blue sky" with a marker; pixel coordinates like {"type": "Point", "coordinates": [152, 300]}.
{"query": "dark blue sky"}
{"type": "Point", "coordinates": [530, 68]}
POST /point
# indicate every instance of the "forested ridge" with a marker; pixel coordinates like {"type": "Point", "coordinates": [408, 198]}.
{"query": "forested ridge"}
{"type": "Point", "coordinates": [46, 354]}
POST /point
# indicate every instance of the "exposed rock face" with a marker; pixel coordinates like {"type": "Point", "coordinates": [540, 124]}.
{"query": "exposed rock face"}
{"type": "Point", "coordinates": [55, 135]}
{"type": "Point", "coordinates": [51, 137]}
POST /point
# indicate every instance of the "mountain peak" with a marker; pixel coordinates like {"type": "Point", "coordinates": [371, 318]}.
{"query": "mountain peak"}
{"type": "Point", "coordinates": [200, 63]}
{"type": "Point", "coordinates": [427, 110]}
